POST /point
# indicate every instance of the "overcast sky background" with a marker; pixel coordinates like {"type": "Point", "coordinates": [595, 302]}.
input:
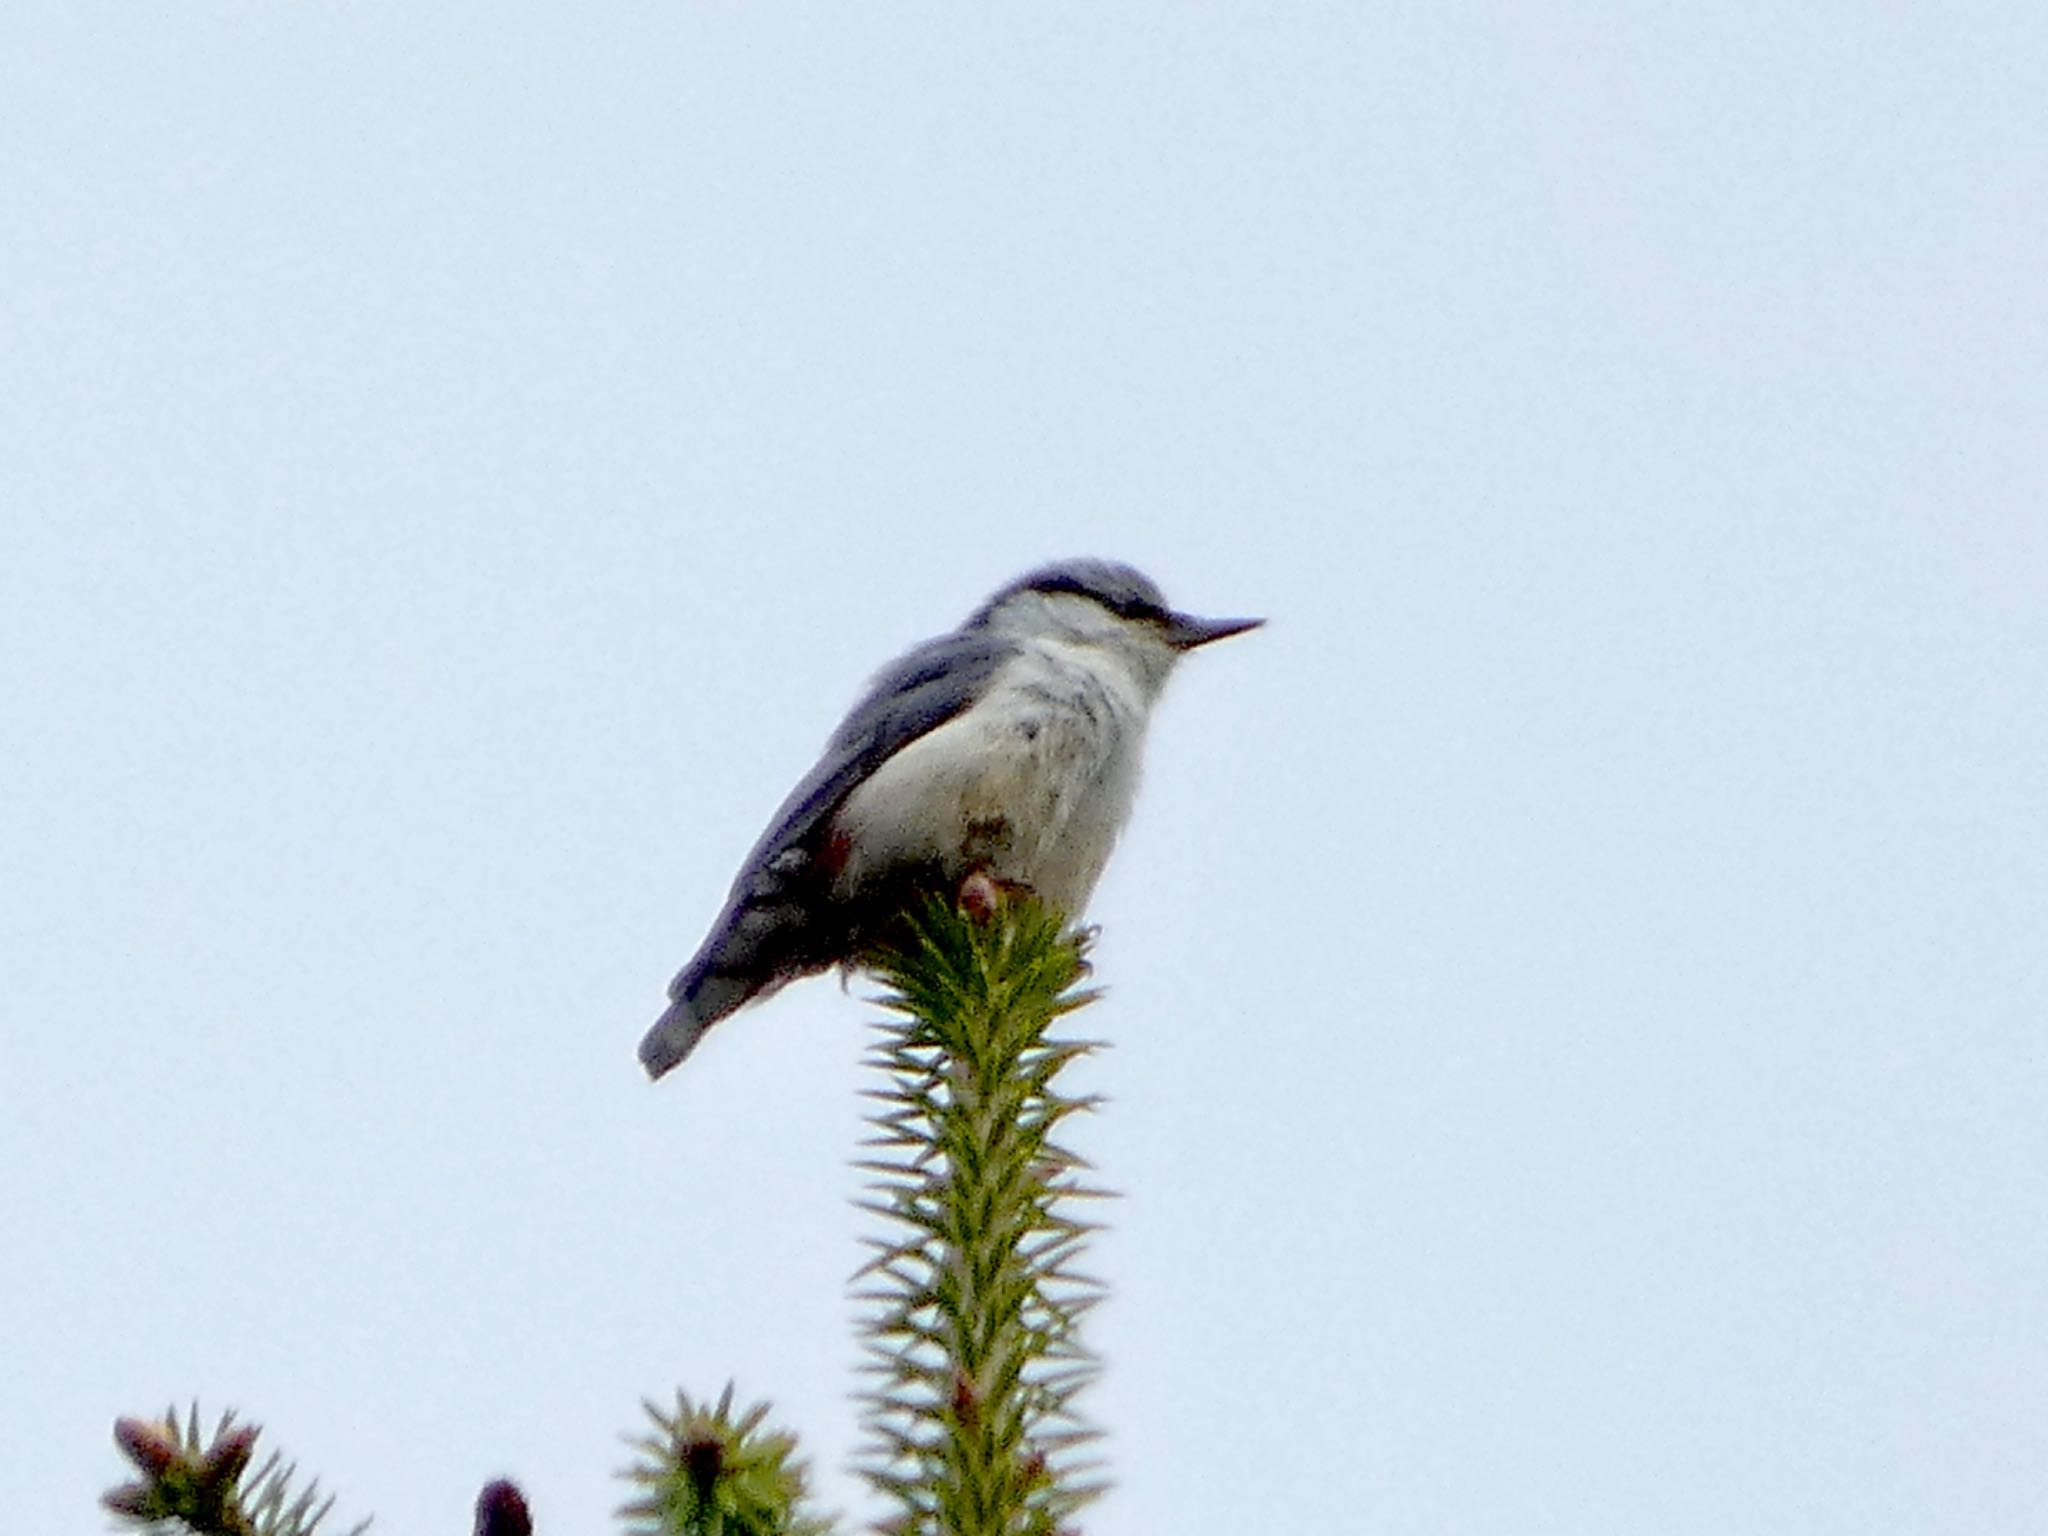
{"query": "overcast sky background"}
{"type": "Point", "coordinates": [1577, 977]}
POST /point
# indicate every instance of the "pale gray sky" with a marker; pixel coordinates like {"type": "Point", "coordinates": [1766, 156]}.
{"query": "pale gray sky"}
{"type": "Point", "coordinates": [1577, 978]}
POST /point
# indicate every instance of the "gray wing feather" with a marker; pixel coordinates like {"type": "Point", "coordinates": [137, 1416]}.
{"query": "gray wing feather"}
{"type": "Point", "coordinates": [917, 693]}
{"type": "Point", "coordinates": [759, 940]}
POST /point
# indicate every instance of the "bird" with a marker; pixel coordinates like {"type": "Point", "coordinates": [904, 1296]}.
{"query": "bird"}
{"type": "Point", "coordinates": [1002, 756]}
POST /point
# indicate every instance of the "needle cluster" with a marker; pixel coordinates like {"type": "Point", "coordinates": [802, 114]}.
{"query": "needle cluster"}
{"type": "Point", "coordinates": [188, 1480]}
{"type": "Point", "coordinates": [707, 1471]}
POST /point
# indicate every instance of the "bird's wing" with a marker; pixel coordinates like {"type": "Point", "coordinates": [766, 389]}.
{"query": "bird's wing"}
{"type": "Point", "coordinates": [918, 692]}
{"type": "Point", "coordinates": [770, 929]}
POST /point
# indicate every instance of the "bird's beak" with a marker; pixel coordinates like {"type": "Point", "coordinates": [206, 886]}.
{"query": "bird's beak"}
{"type": "Point", "coordinates": [1184, 631]}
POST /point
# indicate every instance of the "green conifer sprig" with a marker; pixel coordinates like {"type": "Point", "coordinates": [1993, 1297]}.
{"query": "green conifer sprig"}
{"type": "Point", "coordinates": [705, 1472]}
{"type": "Point", "coordinates": [194, 1482]}
{"type": "Point", "coordinates": [974, 1344]}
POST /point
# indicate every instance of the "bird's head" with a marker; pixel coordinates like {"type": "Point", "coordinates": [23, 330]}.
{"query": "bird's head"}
{"type": "Point", "coordinates": [1105, 604]}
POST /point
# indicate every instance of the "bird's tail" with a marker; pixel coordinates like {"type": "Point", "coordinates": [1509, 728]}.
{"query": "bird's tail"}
{"type": "Point", "coordinates": [676, 1032]}
{"type": "Point", "coordinates": [754, 948]}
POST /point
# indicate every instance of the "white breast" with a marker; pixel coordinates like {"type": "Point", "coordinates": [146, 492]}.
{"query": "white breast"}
{"type": "Point", "coordinates": [1033, 783]}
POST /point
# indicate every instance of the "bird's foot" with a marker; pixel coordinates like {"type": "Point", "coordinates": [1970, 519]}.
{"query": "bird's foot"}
{"type": "Point", "coordinates": [983, 896]}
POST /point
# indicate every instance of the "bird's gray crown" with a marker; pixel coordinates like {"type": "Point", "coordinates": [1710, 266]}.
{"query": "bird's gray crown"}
{"type": "Point", "coordinates": [1123, 590]}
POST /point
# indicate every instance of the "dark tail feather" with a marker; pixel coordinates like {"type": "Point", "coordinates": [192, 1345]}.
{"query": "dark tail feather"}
{"type": "Point", "coordinates": [676, 1032]}
{"type": "Point", "coordinates": [752, 951]}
